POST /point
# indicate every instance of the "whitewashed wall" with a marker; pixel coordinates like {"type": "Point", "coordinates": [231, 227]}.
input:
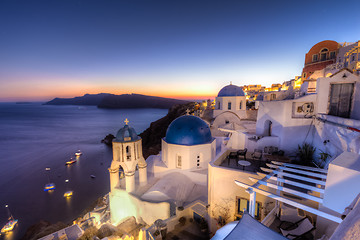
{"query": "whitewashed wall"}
{"type": "Point", "coordinates": [123, 205]}
{"type": "Point", "coordinates": [235, 105]}
{"type": "Point", "coordinates": [291, 131]}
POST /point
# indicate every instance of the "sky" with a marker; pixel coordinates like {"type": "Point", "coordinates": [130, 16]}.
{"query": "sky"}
{"type": "Point", "coordinates": [176, 48]}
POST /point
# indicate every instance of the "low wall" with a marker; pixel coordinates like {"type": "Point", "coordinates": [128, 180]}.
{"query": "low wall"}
{"type": "Point", "coordinates": [123, 205]}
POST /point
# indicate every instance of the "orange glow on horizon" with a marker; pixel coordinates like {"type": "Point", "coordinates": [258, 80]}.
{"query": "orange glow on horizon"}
{"type": "Point", "coordinates": [39, 90]}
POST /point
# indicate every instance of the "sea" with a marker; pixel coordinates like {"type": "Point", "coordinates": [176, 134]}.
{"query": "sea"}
{"type": "Point", "coordinates": [34, 137]}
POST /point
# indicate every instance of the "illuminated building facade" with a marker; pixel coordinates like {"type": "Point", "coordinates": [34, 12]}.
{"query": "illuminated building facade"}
{"type": "Point", "coordinates": [319, 56]}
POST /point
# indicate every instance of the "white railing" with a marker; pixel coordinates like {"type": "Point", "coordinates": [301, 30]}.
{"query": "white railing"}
{"type": "Point", "coordinates": [269, 219]}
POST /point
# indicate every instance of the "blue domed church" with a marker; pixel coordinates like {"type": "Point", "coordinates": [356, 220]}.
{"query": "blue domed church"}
{"type": "Point", "coordinates": [173, 179]}
{"type": "Point", "coordinates": [188, 144]}
{"type": "Point", "coordinates": [230, 108]}
{"type": "Point", "coordinates": [231, 98]}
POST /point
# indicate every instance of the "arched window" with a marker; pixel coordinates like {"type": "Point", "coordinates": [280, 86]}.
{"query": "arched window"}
{"type": "Point", "coordinates": [178, 161]}
{"type": "Point", "coordinates": [229, 105]}
{"type": "Point", "coordinates": [268, 128]}
{"type": "Point", "coordinates": [324, 54]}
{"type": "Point", "coordinates": [128, 153]}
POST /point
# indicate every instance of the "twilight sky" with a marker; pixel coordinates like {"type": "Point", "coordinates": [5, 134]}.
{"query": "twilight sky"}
{"type": "Point", "coordinates": [173, 48]}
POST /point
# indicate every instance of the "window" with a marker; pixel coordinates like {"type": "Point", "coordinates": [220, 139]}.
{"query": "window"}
{"type": "Point", "coordinates": [178, 161]}
{"type": "Point", "coordinates": [304, 75]}
{"type": "Point", "coordinates": [229, 105]}
{"type": "Point", "coordinates": [340, 99]}
{"type": "Point", "coordinates": [226, 121]}
{"type": "Point", "coordinates": [128, 153]}
{"type": "Point", "coordinates": [332, 55]}
{"type": "Point", "coordinates": [353, 57]}
{"type": "Point", "coordinates": [240, 104]}
{"type": "Point", "coordinates": [218, 105]}
{"type": "Point", "coordinates": [272, 96]}
{"type": "Point", "coordinates": [243, 203]}
{"type": "Point", "coordinates": [323, 56]}
{"type": "Point", "coordinates": [315, 58]}
{"type": "Point", "coordinates": [198, 161]}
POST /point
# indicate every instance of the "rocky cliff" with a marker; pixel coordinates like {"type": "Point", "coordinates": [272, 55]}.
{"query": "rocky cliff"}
{"type": "Point", "coordinates": [151, 137]}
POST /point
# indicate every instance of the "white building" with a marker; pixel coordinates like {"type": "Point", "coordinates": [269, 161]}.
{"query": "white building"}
{"type": "Point", "coordinates": [230, 98]}
{"type": "Point", "coordinates": [230, 108]}
{"type": "Point", "coordinates": [166, 186]}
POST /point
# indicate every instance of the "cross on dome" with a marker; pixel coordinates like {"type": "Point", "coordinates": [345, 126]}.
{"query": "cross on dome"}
{"type": "Point", "coordinates": [187, 112]}
{"type": "Point", "coordinates": [126, 121]}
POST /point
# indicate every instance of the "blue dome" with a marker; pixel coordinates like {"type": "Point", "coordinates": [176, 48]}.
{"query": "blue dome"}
{"type": "Point", "coordinates": [126, 134]}
{"type": "Point", "coordinates": [188, 130]}
{"type": "Point", "coordinates": [231, 91]}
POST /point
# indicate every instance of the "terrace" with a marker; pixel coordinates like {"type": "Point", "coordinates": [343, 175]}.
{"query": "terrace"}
{"type": "Point", "coordinates": [243, 160]}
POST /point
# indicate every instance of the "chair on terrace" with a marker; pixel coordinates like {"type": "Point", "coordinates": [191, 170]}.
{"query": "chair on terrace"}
{"type": "Point", "coordinates": [290, 214]}
{"type": "Point", "coordinates": [242, 152]}
{"type": "Point", "coordinates": [304, 227]}
{"type": "Point", "coordinates": [257, 154]}
{"type": "Point", "coordinates": [232, 155]}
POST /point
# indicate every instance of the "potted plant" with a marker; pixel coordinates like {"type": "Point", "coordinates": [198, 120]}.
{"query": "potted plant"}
{"type": "Point", "coordinates": [306, 154]}
{"type": "Point", "coordinates": [323, 157]}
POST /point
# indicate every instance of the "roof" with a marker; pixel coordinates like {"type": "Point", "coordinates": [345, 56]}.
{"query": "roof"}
{"type": "Point", "coordinates": [231, 91]}
{"type": "Point", "coordinates": [188, 130]}
{"type": "Point", "coordinates": [71, 233]}
{"type": "Point", "coordinates": [173, 186]}
{"type": "Point", "coordinates": [126, 134]}
{"type": "Point", "coordinates": [247, 228]}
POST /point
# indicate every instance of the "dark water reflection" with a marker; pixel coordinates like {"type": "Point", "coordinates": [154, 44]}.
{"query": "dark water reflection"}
{"type": "Point", "coordinates": [34, 136]}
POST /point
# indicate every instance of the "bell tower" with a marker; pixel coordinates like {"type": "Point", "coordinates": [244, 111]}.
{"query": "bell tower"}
{"type": "Point", "coordinates": [127, 153]}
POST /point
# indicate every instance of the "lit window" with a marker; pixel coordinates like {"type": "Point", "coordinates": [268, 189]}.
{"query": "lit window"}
{"type": "Point", "coordinates": [272, 96]}
{"type": "Point", "coordinates": [242, 203]}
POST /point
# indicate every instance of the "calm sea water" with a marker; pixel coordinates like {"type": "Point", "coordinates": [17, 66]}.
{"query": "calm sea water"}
{"type": "Point", "coordinates": [34, 137]}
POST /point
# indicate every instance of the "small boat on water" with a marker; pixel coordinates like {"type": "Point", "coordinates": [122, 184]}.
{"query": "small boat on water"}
{"type": "Point", "coordinates": [92, 176]}
{"type": "Point", "coordinates": [9, 226]}
{"type": "Point", "coordinates": [78, 153]}
{"type": "Point", "coordinates": [50, 185]}
{"type": "Point", "coordinates": [68, 194]}
{"type": "Point", "coordinates": [70, 162]}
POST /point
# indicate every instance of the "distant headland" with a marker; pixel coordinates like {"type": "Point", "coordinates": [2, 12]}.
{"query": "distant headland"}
{"type": "Point", "coordinates": [106, 100]}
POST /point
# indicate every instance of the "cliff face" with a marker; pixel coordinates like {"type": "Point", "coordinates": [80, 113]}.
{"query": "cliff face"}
{"type": "Point", "coordinates": [138, 101]}
{"type": "Point", "coordinates": [151, 137]}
